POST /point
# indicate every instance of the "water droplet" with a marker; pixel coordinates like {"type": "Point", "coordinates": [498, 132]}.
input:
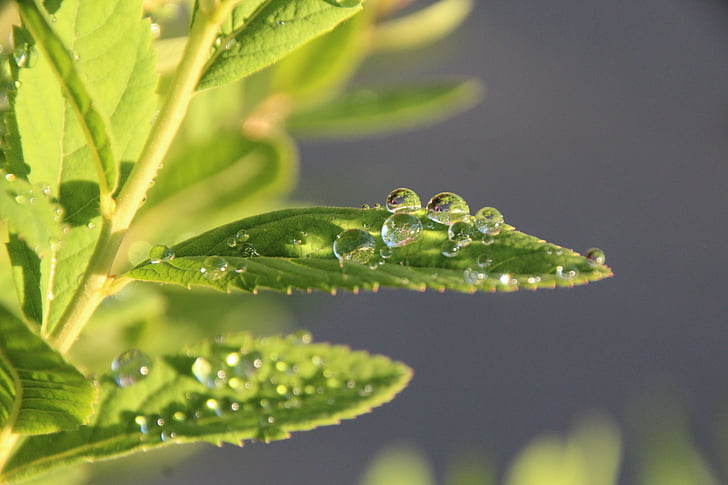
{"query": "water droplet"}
{"type": "Point", "coordinates": [21, 199]}
{"type": "Point", "coordinates": [447, 208]}
{"type": "Point", "coordinates": [18, 84]}
{"type": "Point", "coordinates": [91, 225]}
{"type": "Point", "coordinates": [377, 205]}
{"type": "Point", "coordinates": [143, 424]}
{"type": "Point", "coordinates": [484, 261]}
{"type": "Point", "coordinates": [156, 30]}
{"type": "Point", "coordinates": [130, 366]}
{"type": "Point", "coordinates": [231, 242]}
{"type": "Point", "coordinates": [231, 43]}
{"type": "Point", "coordinates": [403, 199]}
{"type": "Point", "coordinates": [75, 55]}
{"type": "Point", "coordinates": [450, 249]}
{"type": "Point", "coordinates": [505, 279]}
{"type": "Point", "coordinates": [53, 19]}
{"type": "Point", "coordinates": [208, 373]}
{"type": "Point", "coordinates": [241, 267]}
{"type": "Point", "coordinates": [461, 232]}
{"type": "Point", "coordinates": [488, 220]}
{"type": "Point", "coordinates": [354, 245]}
{"type": "Point", "coordinates": [487, 239]}
{"type": "Point", "coordinates": [160, 253]}
{"type": "Point", "coordinates": [9, 177]}
{"type": "Point", "coordinates": [400, 230]}
{"type": "Point", "coordinates": [213, 405]}
{"type": "Point", "coordinates": [596, 256]}
{"type": "Point", "coordinates": [568, 272]}
{"type": "Point", "coordinates": [247, 250]}
{"type": "Point", "coordinates": [214, 267]}
{"type": "Point", "coordinates": [365, 206]}
{"type": "Point", "coordinates": [386, 252]}
{"type": "Point", "coordinates": [25, 55]}
{"type": "Point", "coordinates": [475, 276]}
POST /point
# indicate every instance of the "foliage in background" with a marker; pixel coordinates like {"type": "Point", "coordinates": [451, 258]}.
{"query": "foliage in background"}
{"type": "Point", "coordinates": [121, 163]}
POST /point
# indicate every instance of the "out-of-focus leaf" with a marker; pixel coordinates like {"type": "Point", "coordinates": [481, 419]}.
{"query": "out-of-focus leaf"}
{"type": "Point", "coordinates": [292, 248]}
{"type": "Point", "coordinates": [260, 33]}
{"type": "Point", "coordinates": [398, 465]}
{"type": "Point", "coordinates": [379, 111]}
{"type": "Point", "coordinates": [234, 390]}
{"type": "Point", "coordinates": [39, 391]}
{"type": "Point", "coordinates": [423, 27]}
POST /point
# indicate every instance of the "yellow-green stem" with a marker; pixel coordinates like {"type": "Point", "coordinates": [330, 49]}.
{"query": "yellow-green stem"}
{"type": "Point", "coordinates": [97, 282]}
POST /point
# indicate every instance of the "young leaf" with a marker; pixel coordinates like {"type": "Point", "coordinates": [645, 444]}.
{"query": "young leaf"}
{"type": "Point", "coordinates": [261, 32]}
{"type": "Point", "coordinates": [423, 27]}
{"type": "Point", "coordinates": [294, 249]}
{"type": "Point", "coordinates": [230, 391]}
{"type": "Point", "coordinates": [39, 391]}
{"type": "Point", "coordinates": [114, 67]}
{"type": "Point", "coordinates": [370, 111]}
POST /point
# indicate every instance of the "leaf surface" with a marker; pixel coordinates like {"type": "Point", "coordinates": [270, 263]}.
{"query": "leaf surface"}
{"type": "Point", "coordinates": [375, 111]}
{"type": "Point", "coordinates": [112, 70]}
{"type": "Point", "coordinates": [292, 249]}
{"type": "Point", "coordinates": [230, 391]}
{"type": "Point", "coordinates": [39, 391]}
{"type": "Point", "coordinates": [261, 32]}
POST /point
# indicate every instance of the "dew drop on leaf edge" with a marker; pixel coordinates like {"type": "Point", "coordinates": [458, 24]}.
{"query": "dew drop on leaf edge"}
{"type": "Point", "coordinates": [447, 208]}
{"type": "Point", "coordinates": [596, 256]}
{"type": "Point", "coordinates": [160, 253]}
{"type": "Point", "coordinates": [130, 367]}
{"type": "Point", "coordinates": [488, 220]}
{"type": "Point", "coordinates": [403, 199]}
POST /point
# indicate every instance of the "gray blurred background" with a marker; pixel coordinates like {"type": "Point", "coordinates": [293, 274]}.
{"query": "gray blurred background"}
{"type": "Point", "coordinates": [604, 124]}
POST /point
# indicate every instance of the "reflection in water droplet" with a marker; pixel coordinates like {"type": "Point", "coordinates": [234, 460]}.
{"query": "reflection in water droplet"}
{"type": "Point", "coordinates": [450, 249]}
{"type": "Point", "coordinates": [130, 366]}
{"type": "Point", "coordinates": [403, 199]}
{"type": "Point", "coordinates": [447, 208]}
{"type": "Point", "coordinates": [386, 252]}
{"type": "Point", "coordinates": [488, 220]}
{"type": "Point", "coordinates": [596, 256]}
{"type": "Point", "coordinates": [354, 245]}
{"type": "Point", "coordinates": [400, 230]}
{"type": "Point", "coordinates": [231, 242]}
{"type": "Point", "coordinates": [461, 232]}
{"type": "Point", "coordinates": [160, 253]}
{"type": "Point", "coordinates": [214, 267]}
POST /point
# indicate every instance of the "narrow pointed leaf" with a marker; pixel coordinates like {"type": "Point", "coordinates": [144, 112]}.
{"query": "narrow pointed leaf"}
{"type": "Point", "coordinates": [293, 249]}
{"type": "Point", "coordinates": [422, 27]}
{"type": "Point", "coordinates": [39, 391]}
{"type": "Point", "coordinates": [261, 32]}
{"type": "Point", "coordinates": [375, 111]}
{"type": "Point", "coordinates": [110, 47]}
{"type": "Point", "coordinates": [240, 389]}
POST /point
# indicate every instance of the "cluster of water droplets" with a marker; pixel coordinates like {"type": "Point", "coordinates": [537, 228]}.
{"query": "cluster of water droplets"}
{"type": "Point", "coordinates": [254, 380]}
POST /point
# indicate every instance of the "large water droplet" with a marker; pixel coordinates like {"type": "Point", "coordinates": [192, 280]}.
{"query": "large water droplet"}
{"type": "Point", "coordinates": [447, 208]}
{"type": "Point", "coordinates": [354, 245]}
{"type": "Point", "coordinates": [461, 232]}
{"type": "Point", "coordinates": [214, 267]}
{"type": "Point", "coordinates": [160, 253]}
{"type": "Point", "coordinates": [130, 366]}
{"type": "Point", "coordinates": [403, 199]}
{"type": "Point", "coordinates": [401, 229]}
{"type": "Point", "coordinates": [488, 220]}
{"type": "Point", "coordinates": [596, 256]}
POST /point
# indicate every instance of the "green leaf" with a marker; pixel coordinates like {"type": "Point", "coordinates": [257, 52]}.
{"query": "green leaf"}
{"type": "Point", "coordinates": [114, 69]}
{"type": "Point", "coordinates": [376, 111]}
{"type": "Point", "coordinates": [39, 391]}
{"type": "Point", "coordinates": [239, 175]}
{"type": "Point", "coordinates": [423, 27]}
{"type": "Point", "coordinates": [295, 248]}
{"type": "Point", "coordinates": [247, 389]}
{"type": "Point", "coordinates": [261, 32]}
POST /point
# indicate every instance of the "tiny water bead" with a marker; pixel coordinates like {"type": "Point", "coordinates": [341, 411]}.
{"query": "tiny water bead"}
{"type": "Point", "coordinates": [447, 208]}
{"type": "Point", "coordinates": [488, 220]}
{"type": "Point", "coordinates": [567, 272]}
{"type": "Point", "coordinates": [354, 245]}
{"type": "Point", "coordinates": [596, 256]}
{"type": "Point", "coordinates": [403, 199]}
{"type": "Point", "coordinates": [25, 55]}
{"type": "Point", "coordinates": [475, 276]}
{"type": "Point", "coordinates": [241, 236]}
{"type": "Point", "coordinates": [401, 229]}
{"type": "Point", "coordinates": [130, 366]}
{"type": "Point", "coordinates": [214, 267]}
{"type": "Point", "coordinates": [160, 253]}
{"type": "Point", "coordinates": [450, 249]}
{"type": "Point", "coordinates": [461, 232]}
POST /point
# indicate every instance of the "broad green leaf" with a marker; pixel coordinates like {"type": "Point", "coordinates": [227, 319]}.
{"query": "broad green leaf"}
{"type": "Point", "coordinates": [112, 62]}
{"type": "Point", "coordinates": [375, 111]}
{"type": "Point", "coordinates": [239, 176]}
{"type": "Point", "coordinates": [261, 32]}
{"type": "Point", "coordinates": [293, 249]}
{"type": "Point", "coordinates": [39, 391]}
{"type": "Point", "coordinates": [423, 27]}
{"type": "Point", "coordinates": [320, 67]}
{"type": "Point", "coordinates": [230, 391]}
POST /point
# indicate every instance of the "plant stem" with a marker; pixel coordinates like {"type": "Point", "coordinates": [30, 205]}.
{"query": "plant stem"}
{"type": "Point", "coordinates": [97, 282]}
